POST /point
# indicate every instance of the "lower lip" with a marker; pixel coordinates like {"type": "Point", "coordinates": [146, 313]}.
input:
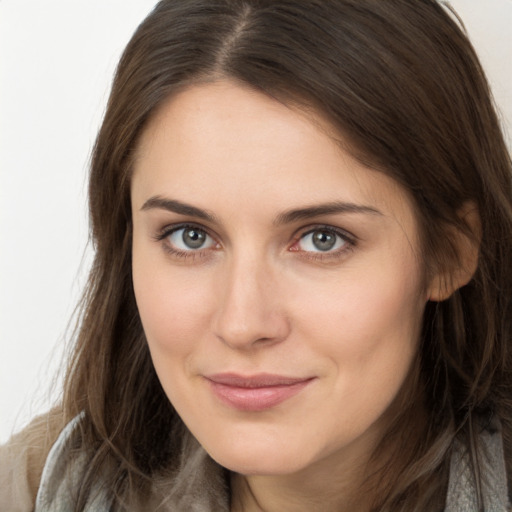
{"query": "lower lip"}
{"type": "Point", "coordinates": [256, 399]}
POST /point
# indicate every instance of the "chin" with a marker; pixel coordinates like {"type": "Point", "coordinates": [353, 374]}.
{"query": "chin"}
{"type": "Point", "coordinates": [257, 459]}
{"type": "Point", "coordinates": [248, 467]}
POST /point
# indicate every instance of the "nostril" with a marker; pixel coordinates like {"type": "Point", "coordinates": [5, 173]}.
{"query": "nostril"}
{"type": "Point", "coordinates": [257, 330]}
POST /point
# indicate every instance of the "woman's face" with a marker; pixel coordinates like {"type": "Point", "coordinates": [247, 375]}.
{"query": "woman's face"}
{"type": "Point", "coordinates": [277, 279]}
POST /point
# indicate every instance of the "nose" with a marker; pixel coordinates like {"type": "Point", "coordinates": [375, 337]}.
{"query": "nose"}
{"type": "Point", "coordinates": [250, 311]}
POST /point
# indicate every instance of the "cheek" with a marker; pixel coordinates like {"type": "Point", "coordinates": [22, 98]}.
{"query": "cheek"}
{"type": "Point", "coordinates": [368, 327]}
{"type": "Point", "coordinates": [383, 311]}
{"type": "Point", "coordinates": [173, 316]}
{"type": "Point", "coordinates": [366, 309]}
{"type": "Point", "coordinates": [368, 330]}
{"type": "Point", "coordinates": [172, 306]}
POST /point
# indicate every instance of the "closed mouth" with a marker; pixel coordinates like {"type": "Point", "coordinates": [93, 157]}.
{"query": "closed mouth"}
{"type": "Point", "coordinates": [257, 392]}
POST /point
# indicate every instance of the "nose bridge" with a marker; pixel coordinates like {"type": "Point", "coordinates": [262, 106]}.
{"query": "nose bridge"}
{"type": "Point", "coordinates": [249, 310]}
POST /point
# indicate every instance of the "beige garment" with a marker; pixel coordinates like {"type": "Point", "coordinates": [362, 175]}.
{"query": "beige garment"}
{"type": "Point", "coordinates": [22, 460]}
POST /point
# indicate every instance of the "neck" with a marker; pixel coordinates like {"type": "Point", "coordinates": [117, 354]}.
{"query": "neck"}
{"type": "Point", "coordinates": [326, 485]}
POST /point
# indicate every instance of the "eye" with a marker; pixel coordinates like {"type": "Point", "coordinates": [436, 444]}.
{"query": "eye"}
{"type": "Point", "coordinates": [189, 238]}
{"type": "Point", "coordinates": [322, 240]}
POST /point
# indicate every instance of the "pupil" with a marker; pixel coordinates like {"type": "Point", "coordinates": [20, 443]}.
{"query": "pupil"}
{"type": "Point", "coordinates": [323, 240]}
{"type": "Point", "coordinates": [193, 238]}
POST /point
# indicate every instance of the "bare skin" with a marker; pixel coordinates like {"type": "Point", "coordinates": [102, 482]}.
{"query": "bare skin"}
{"type": "Point", "coordinates": [263, 251]}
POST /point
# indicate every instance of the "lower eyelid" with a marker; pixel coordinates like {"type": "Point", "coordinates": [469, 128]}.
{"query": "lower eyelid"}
{"type": "Point", "coordinates": [328, 257]}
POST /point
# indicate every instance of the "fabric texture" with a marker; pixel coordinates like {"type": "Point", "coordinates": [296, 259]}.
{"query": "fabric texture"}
{"type": "Point", "coordinates": [462, 489]}
{"type": "Point", "coordinates": [202, 486]}
{"type": "Point", "coordinates": [22, 460]}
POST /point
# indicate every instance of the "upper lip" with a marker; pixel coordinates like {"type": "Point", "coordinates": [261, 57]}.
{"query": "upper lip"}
{"type": "Point", "coordinates": [260, 380]}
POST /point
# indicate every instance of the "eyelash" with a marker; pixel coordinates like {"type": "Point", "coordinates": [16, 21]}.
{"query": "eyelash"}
{"type": "Point", "coordinates": [189, 255]}
{"type": "Point", "coordinates": [349, 240]}
{"type": "Point", "coordinates": [349, 243]}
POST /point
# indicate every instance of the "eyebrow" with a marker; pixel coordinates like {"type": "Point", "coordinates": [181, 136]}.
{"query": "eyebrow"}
{"type": "Point", "coordinates": [286, 217]}
{"type": "Point", "coordinates": [172, 205]}
{"type": "Point", "coordinates": [331, 208]}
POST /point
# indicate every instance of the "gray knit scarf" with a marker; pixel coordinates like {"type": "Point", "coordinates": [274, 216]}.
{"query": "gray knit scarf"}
{"type": "Point", "coordinates": [203, 486]}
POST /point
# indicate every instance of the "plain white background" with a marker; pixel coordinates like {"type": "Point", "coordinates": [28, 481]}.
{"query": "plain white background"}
{"type": "Point", "coordinates": [56, 63]}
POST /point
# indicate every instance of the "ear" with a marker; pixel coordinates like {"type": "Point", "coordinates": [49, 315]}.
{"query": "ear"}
{"type": "Point", "coordinates": [464, 257]}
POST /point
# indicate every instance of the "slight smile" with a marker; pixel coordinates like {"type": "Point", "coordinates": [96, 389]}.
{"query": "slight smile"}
{"type": "Point", "coordinates": [255, 393]}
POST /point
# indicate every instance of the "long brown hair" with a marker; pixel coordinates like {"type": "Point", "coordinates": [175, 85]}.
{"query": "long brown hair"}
{"type": "Point", "coordinates": [403, 86]}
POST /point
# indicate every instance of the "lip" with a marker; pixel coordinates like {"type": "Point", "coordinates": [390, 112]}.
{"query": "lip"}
{"type": "Point", "coordinates": [255, 392]}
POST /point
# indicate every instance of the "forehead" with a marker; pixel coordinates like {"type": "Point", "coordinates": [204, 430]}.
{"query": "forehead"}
{"type": "Point", "coordinates": [228, 142]}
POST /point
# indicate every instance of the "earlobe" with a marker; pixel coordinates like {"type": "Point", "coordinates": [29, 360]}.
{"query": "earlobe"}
{"type": "Point", "coordinates": [463, 260]}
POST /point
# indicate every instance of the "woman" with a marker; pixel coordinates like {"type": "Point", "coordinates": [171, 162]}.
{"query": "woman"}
{"type": "Point", "coordinates": [301, 293]}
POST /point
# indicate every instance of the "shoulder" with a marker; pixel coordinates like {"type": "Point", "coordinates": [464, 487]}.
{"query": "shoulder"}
{"type": "Point", "coordinates": [463, 489]}
{"type": "Point", "coordinates": [196, 483]}
{"type": "Point", "coordinates": [22, 460]}
{"type": "Point", "coordinates": [63, 473]}
{"type": "Point", "coordinates": [42, 469]}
